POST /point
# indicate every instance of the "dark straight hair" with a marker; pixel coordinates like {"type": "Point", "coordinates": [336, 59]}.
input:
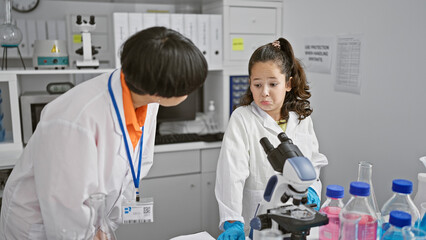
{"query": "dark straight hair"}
{"type": "Point", "coordinates": [161, 61]}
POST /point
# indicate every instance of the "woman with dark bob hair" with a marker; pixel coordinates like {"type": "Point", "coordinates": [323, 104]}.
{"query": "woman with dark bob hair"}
{"type": "Point", "coordinates": [99, 138]}
{"type": "Point", "coordinates": [276, 101]}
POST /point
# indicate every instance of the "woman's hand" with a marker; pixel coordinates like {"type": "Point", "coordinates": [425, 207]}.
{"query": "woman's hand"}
{"type": "Point", "coordinates": [100, 235]}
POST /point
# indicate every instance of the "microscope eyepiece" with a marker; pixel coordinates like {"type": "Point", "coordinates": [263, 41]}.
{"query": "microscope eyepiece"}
{"type": "Point", "coordinates": [92, 20]}
{"type": "Point", "coordinates": [283, 138]}
{"type": "Point", "coordinates": [267, 146]}
{"type": "Point", "coordinates": [78, 20]}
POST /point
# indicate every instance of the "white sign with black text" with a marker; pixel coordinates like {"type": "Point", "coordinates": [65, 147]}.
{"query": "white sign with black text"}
{"type": "Point", "coordinates": [318, 53]}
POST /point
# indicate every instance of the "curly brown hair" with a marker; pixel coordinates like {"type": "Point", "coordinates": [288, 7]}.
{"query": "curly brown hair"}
{"type": "Point", "coordinates": [297, 99]}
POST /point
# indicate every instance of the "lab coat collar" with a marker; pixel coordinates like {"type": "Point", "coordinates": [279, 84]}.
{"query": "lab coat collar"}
{"type": "Point", "coordinates": [270, 123]}
{"type": "Point", "coordinates": [292, 123]}
{"type": "Point", "coordinates": [118, 95]}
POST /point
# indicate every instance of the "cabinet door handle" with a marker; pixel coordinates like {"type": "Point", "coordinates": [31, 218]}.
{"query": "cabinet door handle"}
{"type": "Point", "coordinates": [208, 183]}
{"type": "Point", "coordinates": [192, 185]}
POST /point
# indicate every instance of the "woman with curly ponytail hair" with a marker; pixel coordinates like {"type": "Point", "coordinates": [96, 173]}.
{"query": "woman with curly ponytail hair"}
{"type": "Point", "coordinates": [276, 101]}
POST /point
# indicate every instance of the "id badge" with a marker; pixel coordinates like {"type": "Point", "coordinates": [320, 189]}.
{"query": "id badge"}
{"type": "Point", "coordinates": [138, 212]}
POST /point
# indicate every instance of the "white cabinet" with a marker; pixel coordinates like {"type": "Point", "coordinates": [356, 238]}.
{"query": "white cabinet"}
{"type": "Point", "coordinates": [246, 26]}
{"type": "Point", "coordinates": [177, 205]}
{"type": "Point", "coordinates": [182, 185]}
{"type": "Point", "coordinates": [256, 20]}
{"type": "Point", "coordinates": [209, 207]}
{"type": "Point", "coordinates": [175, 163]}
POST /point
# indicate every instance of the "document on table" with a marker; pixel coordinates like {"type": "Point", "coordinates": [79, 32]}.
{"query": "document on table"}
{"type": "Point", "coordinates": [206, 236]}
{"type": "Point", "coordinates": [197, 236]}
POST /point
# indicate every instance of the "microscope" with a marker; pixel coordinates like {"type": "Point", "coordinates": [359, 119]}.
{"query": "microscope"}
{"type": "Point", "coordinates": [295, 174]}
{"type": "Point", "coordinates": [87, 50]}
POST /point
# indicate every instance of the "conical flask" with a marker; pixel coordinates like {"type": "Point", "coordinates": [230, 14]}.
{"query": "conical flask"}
{"type": "Point", "coordinates": [99, 228]}
{"type": "Point", "coordinates": [365, 174]}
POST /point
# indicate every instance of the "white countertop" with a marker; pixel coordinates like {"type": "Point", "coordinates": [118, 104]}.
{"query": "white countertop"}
{"type": "Point", "coordinates": [9, 158]}
{"type": "Point", "coordinates": [186, 146]}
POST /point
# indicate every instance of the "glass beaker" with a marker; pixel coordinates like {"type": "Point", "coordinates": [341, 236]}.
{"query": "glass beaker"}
{"type": "Point", "coordinates": [412, 233]}
{"type": "Point", "coordinates": [99, 228]}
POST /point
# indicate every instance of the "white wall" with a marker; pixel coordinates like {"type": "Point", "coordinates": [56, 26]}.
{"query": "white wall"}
{"type": "Point", "coordinates": [385, 124]}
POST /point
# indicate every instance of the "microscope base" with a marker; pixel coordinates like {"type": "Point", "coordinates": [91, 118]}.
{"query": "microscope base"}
{"type": "Point", "coordinates": [87, 64]}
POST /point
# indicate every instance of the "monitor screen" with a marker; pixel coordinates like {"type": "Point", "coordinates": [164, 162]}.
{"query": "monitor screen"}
{"type": "Point", "coordinates": [185, 111]}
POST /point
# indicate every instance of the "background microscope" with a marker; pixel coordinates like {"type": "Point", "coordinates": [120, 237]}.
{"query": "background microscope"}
{"type": "Point", "coordinates": [87, 50]}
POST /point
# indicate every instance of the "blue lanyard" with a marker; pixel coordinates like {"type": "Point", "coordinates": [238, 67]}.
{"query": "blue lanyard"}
{"type": "Point", "coordinates": [135, 178]}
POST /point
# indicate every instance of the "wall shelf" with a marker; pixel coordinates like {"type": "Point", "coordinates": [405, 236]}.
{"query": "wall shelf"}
{"type": "Point", "coordinates": [58, 71]}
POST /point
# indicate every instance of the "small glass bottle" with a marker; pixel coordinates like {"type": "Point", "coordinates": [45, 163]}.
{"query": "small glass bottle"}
{"type": "Point", "coordinates": [212, 126]}
{"type": "Point", "coordinates": [99, 227]}
{"type": "Point", "coordinates": [358, 221]}
{"type": "Point", "coordinates": [332, 207]}
{"type": "Point", "coordinates": [397, 220]}
{"type": "Point", "coordinates": [401, 201]}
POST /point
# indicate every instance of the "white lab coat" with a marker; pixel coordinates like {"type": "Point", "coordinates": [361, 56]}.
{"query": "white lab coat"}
{"type": "Point", "coordinates": [76, 150]}
{"type": "Point", "coordinates": [243, 168]}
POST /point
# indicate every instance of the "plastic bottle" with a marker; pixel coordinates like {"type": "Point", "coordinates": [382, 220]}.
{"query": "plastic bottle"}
{"type": "Point", "coordinates": [365, 174]}
{"type": "Point", "coordinates": [401, 201]}
{"type": "Point", "coordinates": [211, 122]}
{"type": "Point", "coordinates": [332, 206]}
{"type": "Point", "coordinates": [412, 233]}
{"type": "Point", "coordinates": [99, 227]}
{"type": "Point", "coordinates": [358, 221]}
{"type": "Point", "coordinates": [421, 186]}
{"type": "Point", "coordinates": [397, 220]}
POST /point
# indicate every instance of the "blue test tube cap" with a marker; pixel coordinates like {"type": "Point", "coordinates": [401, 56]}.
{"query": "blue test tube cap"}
{"type": "Point", "coordinates": [360, 189]}
{"type": "Point", "coordinates": [335, 191]}
{"type": "Point", "coordinates": [402, 186]}
{"type": "Point", "coordinates": [399, 218]}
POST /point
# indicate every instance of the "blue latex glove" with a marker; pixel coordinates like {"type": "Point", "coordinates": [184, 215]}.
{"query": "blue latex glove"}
{"type": "Point", "coordinates": [233, 231]}
{"type": "Point", "coordinates": [313, 198]}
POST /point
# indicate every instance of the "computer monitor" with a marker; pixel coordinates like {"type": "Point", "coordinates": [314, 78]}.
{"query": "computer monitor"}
{"type": "Point", "coordinates": [185, 111]}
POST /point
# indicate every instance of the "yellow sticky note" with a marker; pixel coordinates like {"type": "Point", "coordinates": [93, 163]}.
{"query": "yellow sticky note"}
{"type": "Point", "coordinates": [237, 44]}
{"type": "Point", "coordinates": [76, 38]}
